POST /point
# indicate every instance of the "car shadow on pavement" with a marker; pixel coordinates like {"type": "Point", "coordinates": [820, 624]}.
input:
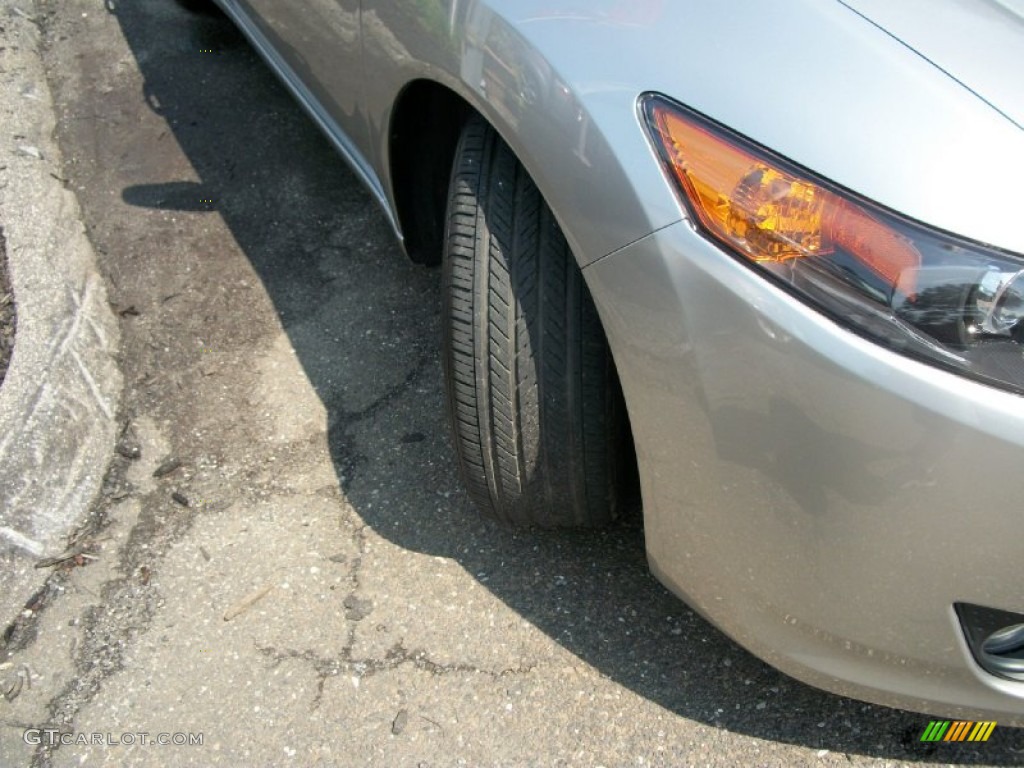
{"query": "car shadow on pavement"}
{"type": "Point", "coordinates": [318, 241]}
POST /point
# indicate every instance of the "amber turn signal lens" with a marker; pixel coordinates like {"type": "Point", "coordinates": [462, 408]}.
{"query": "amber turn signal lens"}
{"type": "Point", "coordinates": [766, 210]}
{"type": "Point", "coordinates": [918, 290]}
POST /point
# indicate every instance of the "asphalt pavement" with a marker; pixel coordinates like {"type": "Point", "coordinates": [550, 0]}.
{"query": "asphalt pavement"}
{"type": "Point", "coordinates": [8, 318]}
{"type": "Point", "coordinates": [282, 564]}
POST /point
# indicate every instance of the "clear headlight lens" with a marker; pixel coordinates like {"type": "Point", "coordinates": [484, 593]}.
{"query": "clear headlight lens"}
{"type": "Point", "coordinates": [923, 292]}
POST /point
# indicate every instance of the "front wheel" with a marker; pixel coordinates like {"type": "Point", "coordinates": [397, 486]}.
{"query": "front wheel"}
{"type": "Point", "coordinates": [534, 403]}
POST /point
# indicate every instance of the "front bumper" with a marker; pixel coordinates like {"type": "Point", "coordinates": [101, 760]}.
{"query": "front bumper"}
{"type": "Point", "coordinates": [819, 498]}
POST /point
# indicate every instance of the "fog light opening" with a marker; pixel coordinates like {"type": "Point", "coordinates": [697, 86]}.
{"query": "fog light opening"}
{"type": "Point", "coordinates": [996, 639]}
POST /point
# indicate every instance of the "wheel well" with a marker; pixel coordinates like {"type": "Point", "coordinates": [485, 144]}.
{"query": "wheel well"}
{"type": "Point", "coordinates": [425, 128]}
{"type": "Point", "coordinates": [427, 122]}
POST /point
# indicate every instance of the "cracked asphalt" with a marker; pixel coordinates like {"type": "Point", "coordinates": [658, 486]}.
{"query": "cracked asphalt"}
{"type": "Point", "coordinates": [282, 559]}
{"type": "Point", "coordinates": [8, 318]}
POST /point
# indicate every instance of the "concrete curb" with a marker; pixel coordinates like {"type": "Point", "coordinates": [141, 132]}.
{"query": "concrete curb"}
{"type": "Point", "coordinates": [58, 403]}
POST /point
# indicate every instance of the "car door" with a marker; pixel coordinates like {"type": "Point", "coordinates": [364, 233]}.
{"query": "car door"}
{"type": "Point", "coordinates": [319, 41]}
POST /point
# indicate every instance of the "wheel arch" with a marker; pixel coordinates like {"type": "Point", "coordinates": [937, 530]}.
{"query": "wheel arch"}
{"type": "Point", "coordinates": [426, 122]}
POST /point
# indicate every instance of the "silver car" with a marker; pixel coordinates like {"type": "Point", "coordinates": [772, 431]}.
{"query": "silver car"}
{"type": "Point", "coordinates": [767, 257]}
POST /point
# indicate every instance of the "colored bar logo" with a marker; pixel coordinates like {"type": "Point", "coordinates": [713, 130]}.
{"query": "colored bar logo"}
{"type": "Point", "coordinates": [958, 730]}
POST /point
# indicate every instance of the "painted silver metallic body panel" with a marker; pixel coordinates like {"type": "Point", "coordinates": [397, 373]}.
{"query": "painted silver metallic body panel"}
{"type": "Point", "coordinates": [827, 88]}
{"type": "Point", "coordinates": [320, 41]}
{"type": "Point", "coordinates": [979, 42]}
{"type": "Point", "coordinates": [821, 499]}
{"type": "Point", "coordinates": [306, 96]}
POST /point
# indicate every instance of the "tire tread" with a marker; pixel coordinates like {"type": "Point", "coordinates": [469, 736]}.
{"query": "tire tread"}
{"type": "Point", "coordinates": [533, 399]}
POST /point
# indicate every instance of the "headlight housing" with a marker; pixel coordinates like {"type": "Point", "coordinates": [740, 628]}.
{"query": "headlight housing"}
{"type": "Point", "coordinates": [923, 292]}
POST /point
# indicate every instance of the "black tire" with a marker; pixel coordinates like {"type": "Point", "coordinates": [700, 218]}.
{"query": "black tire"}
{"type": "Point", "coordinates": [534, 403]}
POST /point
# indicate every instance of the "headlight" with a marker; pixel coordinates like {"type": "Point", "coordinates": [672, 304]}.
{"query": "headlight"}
{"type": "Point", "coordinates": [923, 292]}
